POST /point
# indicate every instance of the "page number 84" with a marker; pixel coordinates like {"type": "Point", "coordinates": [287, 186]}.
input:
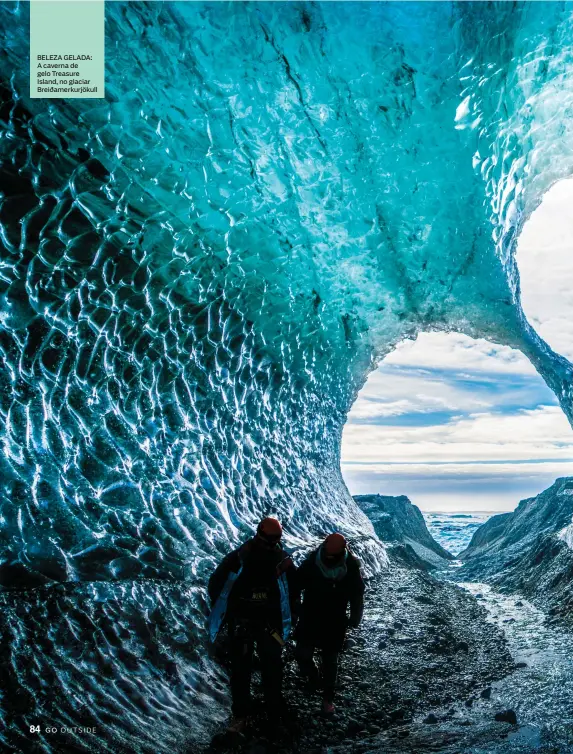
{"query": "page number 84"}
{"type": "Point", "coordinates": [34, 728]}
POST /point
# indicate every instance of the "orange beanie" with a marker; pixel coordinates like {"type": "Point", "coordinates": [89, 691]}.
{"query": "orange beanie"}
{"type": "Point", "coordinates": [270, 527]}
{"type": "Point", "coordinates": [334, 544]}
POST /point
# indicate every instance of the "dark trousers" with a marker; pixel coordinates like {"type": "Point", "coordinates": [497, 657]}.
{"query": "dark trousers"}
{"type": "Point", "coordinates": [304, 654]}
{"type": "Point", "coordinates": [243, 641]}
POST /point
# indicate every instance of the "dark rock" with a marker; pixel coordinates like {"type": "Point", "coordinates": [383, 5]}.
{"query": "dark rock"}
{"type": "Point", "coordinates": [395, 519]}
{"type": "Point", "coordinates": [486, 693]}
{"type": "Point", "coordinates": [431, 719]}
{"type": "Point", "coordinates": [353, 726]}
{"type": "Point", "coordinates": [436, 618]}
{"type": "Point", "coordinates": [507, 716]}
{"type": "Point", "coordinates": [521, 665]}
{"type": "Point", "coordinates": [382, 645]}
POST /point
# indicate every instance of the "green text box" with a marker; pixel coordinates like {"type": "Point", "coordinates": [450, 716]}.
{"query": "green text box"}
{"type": "Point", "coordinates": [67, 48]}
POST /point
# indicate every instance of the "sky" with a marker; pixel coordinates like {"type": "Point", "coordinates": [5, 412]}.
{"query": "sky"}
{"type": "Point", "coordinates": [458, 424]}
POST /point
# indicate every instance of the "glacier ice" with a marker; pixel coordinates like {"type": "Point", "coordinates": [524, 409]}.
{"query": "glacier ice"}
{"type": "Point", "coordinates": [198, 274]}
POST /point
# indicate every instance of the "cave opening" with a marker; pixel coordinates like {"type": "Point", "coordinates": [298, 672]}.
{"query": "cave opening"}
{"type": "Point", "coordinates": [461, 425]}
{"type": "Point", "coordinates": [458, 424]}
{"type": "Point", "coordinates": [472, 432]}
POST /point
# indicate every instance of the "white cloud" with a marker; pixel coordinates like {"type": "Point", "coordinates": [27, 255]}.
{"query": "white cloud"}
{"type": "Point", "coordinates": [460, 353]}
{"type": "Point", "coordinates": [495, 440]}
{"type": "Point", "coordinates": [542, 433]}
{"type": "Point", "coordinates": [448, 372]}
{"type": "Point", "coordinates": [396, 391]}
{"type": "Point", "coordinates": [545, 261]}
{"type": "Point", "coordinates": [462, 471]}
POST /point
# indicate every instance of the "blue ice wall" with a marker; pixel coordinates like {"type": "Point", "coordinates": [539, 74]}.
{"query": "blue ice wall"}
{"type": "Point", "coordinates": [197, 274]}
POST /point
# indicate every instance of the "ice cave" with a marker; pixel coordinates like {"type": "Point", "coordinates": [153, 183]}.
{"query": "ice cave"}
{"type": "Point", "coordinates": [199, 272]}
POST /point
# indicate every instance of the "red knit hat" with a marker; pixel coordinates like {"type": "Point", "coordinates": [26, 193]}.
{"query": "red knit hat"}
{"type": "Point", "coordinates": [334, 544]}
{"type": "Point", "coordinates": [270, 528]}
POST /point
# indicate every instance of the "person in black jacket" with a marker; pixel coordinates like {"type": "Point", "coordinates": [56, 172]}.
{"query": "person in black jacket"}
{"type": "Point", "coordinates": [254, 593]}
{"type": "Point", "coordinates": [331, 581]}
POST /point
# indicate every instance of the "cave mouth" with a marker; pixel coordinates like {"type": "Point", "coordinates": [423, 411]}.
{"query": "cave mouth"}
{"type": "Point", "coordinates": [456, 424]}
{"type": "Point", "coordinates": [462, 425]}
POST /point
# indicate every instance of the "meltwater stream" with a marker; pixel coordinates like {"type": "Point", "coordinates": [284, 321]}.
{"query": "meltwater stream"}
{"type": "Point", "coordinates": [541, 694]}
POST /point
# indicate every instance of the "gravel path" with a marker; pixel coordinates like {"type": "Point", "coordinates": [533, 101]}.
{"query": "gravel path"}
{"type": "Point", "coordinates": [423, 644]}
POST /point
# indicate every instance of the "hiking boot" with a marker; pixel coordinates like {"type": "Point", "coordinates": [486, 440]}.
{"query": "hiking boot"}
{"type": "Point", "coordinates": [327, 708]}
{"type": "Point", "coordinates": [237, 725]}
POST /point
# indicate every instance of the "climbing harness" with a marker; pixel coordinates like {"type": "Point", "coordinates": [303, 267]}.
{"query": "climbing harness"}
{"type": "Point", "coordinates": [219, 610]}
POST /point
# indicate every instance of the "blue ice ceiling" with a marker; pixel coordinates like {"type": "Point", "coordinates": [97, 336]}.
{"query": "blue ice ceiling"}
{"type": "Point", "coordinates": [199, 272]}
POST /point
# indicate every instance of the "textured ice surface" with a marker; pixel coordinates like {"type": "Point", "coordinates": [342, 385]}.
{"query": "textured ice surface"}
{"type": "Point", "coordinates": [198, 273]}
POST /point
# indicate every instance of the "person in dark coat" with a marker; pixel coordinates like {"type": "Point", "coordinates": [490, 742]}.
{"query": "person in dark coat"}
{"type": "Point", "coordinates": [331, 582]}
{"type": "Point", "coordinates": [254, 593]}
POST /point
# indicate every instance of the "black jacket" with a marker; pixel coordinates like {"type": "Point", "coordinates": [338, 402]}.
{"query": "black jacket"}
{"type": "Point", "coordinates": [323, 615]}
{"type": "Point", "coordinates": [255, 595]}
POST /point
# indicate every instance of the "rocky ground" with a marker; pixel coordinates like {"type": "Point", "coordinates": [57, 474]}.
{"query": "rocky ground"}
{"type": "Point", "coordinates": [424, 653]}
{"type": "Point", "coordinates": [537, 697]}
